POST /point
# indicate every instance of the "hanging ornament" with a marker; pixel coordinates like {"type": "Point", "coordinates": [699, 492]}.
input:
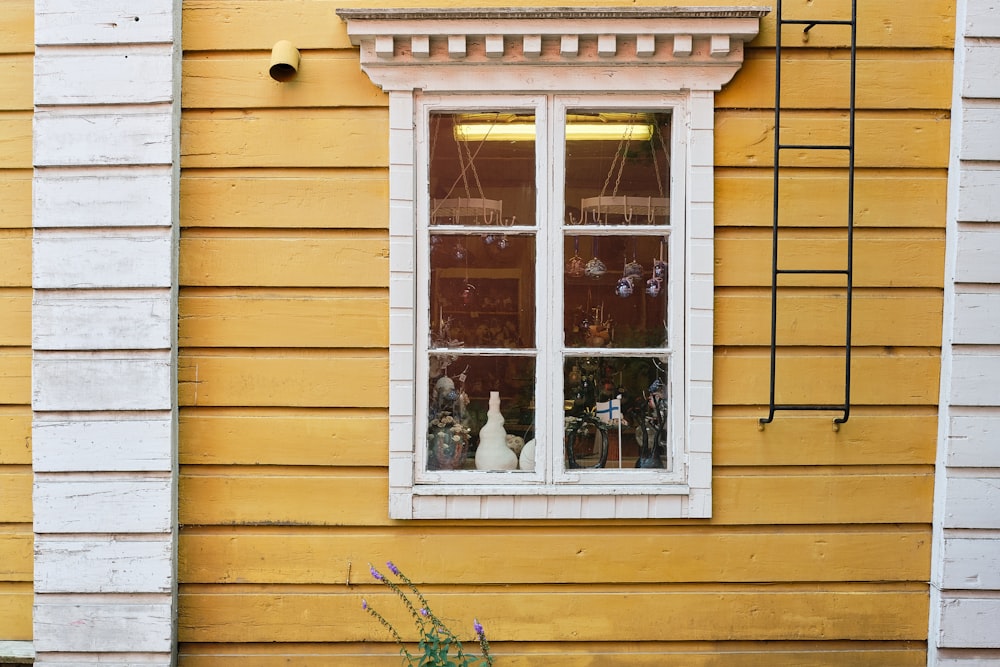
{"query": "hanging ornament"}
{"type": "Point", "coordinates": [595, 268]}
{"type": "Point", "coordinates": [624, 288]}
{"type": "Point", "coordinates": [659, 269]}
{"type": "Point", "coordinates": [459, 251]}
{"type": "Point", "coordinates": [468, 294]}
{"type": "Point", "coordinates": [654, 286]}
{"type": "Point", "coordinates": [489, 239]}
{"type": "Point", "coordinates": [503, 242]}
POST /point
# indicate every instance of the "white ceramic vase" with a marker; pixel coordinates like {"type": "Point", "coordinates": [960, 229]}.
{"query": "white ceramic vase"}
{"type": "Point", "coordinates": [493, 452]}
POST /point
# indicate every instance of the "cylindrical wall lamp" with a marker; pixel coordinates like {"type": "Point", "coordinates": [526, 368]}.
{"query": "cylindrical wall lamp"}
{"type": "Point", "coordinates": [284, 61]}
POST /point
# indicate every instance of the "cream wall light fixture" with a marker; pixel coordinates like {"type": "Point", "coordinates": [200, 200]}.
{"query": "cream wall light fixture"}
{"type": "Point", "coordinates": [284, 61]}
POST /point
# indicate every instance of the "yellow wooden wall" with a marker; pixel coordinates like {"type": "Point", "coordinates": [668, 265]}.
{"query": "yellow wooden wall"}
{"type": "Point", "coordinates": [818, 551]}
{"type": "Point", "coordinates": [16, 51]}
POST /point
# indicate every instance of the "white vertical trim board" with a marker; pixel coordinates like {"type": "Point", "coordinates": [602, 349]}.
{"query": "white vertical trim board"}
{"type": "Point", "coordinates": [964, 623]}
{"type": "Point", "coordinates": [105, 152]}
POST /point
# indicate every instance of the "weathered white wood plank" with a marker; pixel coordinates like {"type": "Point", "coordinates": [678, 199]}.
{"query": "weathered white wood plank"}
{"type": "Point", "coordinates": [91, 623]}
{"type": "Point", "coordinates": [17, 652]}
{"type": "Point", "coordinates": [125, 444]}
{"type": "Point", "coordinates": [103, 136]}
{"type": "Point", "coordinates": [974, 441]}
{"type": "Point", "coordinates": [103, 565]}
{"type": "Point", "coordinates": [110, 197]}
{"type": "Point", "coordinates": [974, 379]}
{"type": "Point", "coordinates": [969, 623]}
{"type": "Point", "coordinates": [982, 18]}
{"type": "Point", "coordinates": [979, 194]}
{"type": "Point", "coordinates": [977, 319]}
{"type": "Point", "coordinates": [111, 75]}
{"type": "Point", "coordinates": [978, 250]}
{"type": "Point", "coordinates": [59, 22]}
{"type": "Point", "coordinates": [122, 381]}
{"type": "Point", "coordinates": [96, 504]}
{"type": "Point", "coordinates": [972, 564]}
{"type": "Point", "coordinates": [971, 502]}
{"type": "Point", "coordinates": [100, 258]}
{"type": "Point", "coordinates": [117, 659]}
{"type": "Point", "coordinates": [981, 133]}
{"type": "Point", "coordinates": [118, 320]}
{"type": "Point", "coordinates": [981, 79]}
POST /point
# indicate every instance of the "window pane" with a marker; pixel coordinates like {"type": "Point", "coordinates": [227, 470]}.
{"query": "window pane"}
{"type": "Point", "coordinates": [458, 406]}
{"type": "Point", "coordinates": [482, 290]}
{"type": "Point", "coordinates": [482, 168]}
{"type": "Point", "coordinates": [615, 291]}
{"type": "Point", "coordinates": [617, 168]}
{"type": "Point", "coordinates": [605, 393]}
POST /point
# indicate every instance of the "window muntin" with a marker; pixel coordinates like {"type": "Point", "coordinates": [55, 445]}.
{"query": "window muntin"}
{"type": "Point", "coordinates": [506, 310]}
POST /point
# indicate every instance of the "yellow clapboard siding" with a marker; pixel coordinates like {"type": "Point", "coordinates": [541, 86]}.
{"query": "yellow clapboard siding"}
{"type": "Point", "coordinates": [565, 554]}
{"type": "Point", "coordinates": [15, 494]}
{"type": "Point", "coordinates": [17, 29]}
{"type": "Point", "coordinates": [355, 499]}
{"type": "Point", "coordinates": [15, 376]}
{"type": "Point", "coordinates": [882, 23]}
{"type": "Point", "coordinates": [15, 139]}
{"type": "Point", "coordinates": [233, 25]}
{"type": "Point", "coordinates": [327, 438]}
{"type": "Point", "coordinates": [239, 82]}
{"type": "Point", "coordinates": [15, 436]}
{"type": "Point", "coordinates": [16, 554]}
{"type": "Point", "coordinates": [288, 261]}
{"type": "Point", "coordinates": [344, 199]}
{"type": "Point", "coordinates": [910, 139]}
{"type": "Point", "coordinates": [232, 320]}
{"type": "Point", "coordinates": [878, 377]}
{"type": "Point", "coordinates": [814, 317]}
{"type": "Point", "coordinates": [881, 259]}
{"type": "Point", "coordinates": [16, 82]}
{"type": "Point", "coordinates": [570, 654]}
{"type": "Point", "coordinates": [15, 199]}
{"type": "Point", "coordinates": [792, 439]}
{"type": "Point", "coordinates": [285, 138]}
{"type": "Point", "coordinates": [295, 379]}
{"type": "Point", "coordinates": [15, 316]}
{"type": "Point", "coordinates": [897, 81]}
{"type": "Point", "coordinates": [16, 600]}
{"type": "Point", "coordinates": [15, 270]}
{"type": "Point", "coordinates": [766, 613]}
{"type": "Point", "coordinates": [818, 197]}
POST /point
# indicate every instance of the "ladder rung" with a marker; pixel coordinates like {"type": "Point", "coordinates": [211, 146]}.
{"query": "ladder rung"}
{"type": "Point", "coordinates": [810, 407]}
{"type": "Point", "coordinates": [843, 272]}
{"type": "Point", "coordinates": [816, 147]}
{"type": "Point", "coordinates": [815, 22]}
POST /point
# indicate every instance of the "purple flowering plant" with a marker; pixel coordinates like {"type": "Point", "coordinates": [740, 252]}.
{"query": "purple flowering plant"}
{"type": "Point", "coordinates": [437, 641]}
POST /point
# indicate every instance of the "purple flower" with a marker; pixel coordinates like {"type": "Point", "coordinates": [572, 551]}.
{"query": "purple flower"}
{"type": "Point", "coordinates": [425, 612]}
{"type": "Point", "coordinates": [375, 573]}
{"type": "Point", "coordinates": [392, 568]}
{"type": "Point", "coordinates": [364, 604]}
{"type": "Point", "coordinates": [477, 626]}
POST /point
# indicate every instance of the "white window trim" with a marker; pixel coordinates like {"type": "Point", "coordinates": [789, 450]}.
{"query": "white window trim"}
{"type": "Point", "coordinates": [691, 52]}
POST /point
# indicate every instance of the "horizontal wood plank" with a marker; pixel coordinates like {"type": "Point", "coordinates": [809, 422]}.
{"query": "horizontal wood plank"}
{"type": "Point", "coordinates": [15, 198]}
{"type": "Point", "coordinates": [16, 553]}
{"type": "Point", "coordinates": [553, 616]}
{"type": "Point", "coordinates": [329, 438]}
{"type": "Point", "coordinates": [818, 198]}
{"type": "Point", "coordinates": [15, 270]}
{"type": "Point", "coordinates": [901, 259]}
{"type": "Point", "coordinates": [15, 376]}
{"type": "Point", "coordinates": [120, 320]}
{"type": "Point", "coordinates": [15, 436]}
{"type": "Point", "coordinates": [344, 199]}
{"type": "Point", "coordinates": [978, 248]}
{"type": "Point", "coordinates": [116, 75]}
{"type": "Point", "coordinates": [921, 80]}
{"type": "Point", "coordinates": [86, 260]}
{"type": "Point", "coordinates": [300, 138]}
{"type": "Point", "coordinates": [105, 445]}
{"type": "Point", "coordinates": [969, 622]}
{"type": "Point", "coordinates": [105, 22]}
{"type": "Point", "coordinates": [15, 494]}
{"type": "Point", "coordinates": [15, 611]}
{"type": "Point", "coordinates": [349, 498]}
{"type": "Point", "coordinates": [15, 313]}
{"type": "Point", "coordinates": [979, 136]}
{"type": "Point", "coordinates": [292, 260]}
{"type": "Point", "coordinates": [972, 439]}
{"type": "Point", "coordinates": [804, 318]}
{"type": "Point", "coordinates": [16, 81]}
{"type": "Point", "coordinates": [15, 139]}
{"type": "Point", "coordinates": [232, 320]}
{"type": "Point", "coordinates": [225, 81]}
{"type": "Point", "coordinates": [975, 187]}
{"type": "Point", "coordinates": [904, 139]}
{"type": "Point", "coordinates": [103, 197]}
{"type": "Point", "coordinates": [122, 381]}
{"type": "Point", "coordinates": [17, 27]}
{"type": "Point", "coordinates": [293, 379]}
{"type": "Point", "coordinates": [142, 136]}
{"type": "Point", "coordinates": [976, 317]}
{"type": "Point", "coordinates": [885, 378]}
{"type": "Point", "coordinates": [86, 624]}
{"type": "Point", "coordinates": [971, 502]}
{"type": "Point", "coordinates": [99, 504]}
{"type": "Point", "coordinates": [103, 565]}
{"type": "Point", "coordinates": [971, 564]}
{"type": "Point", "coordinates": [979, 80]}
{"type": "Point", "coordinates": [566, 554]}
{"type": "Point", "coordinates": [974, 378]}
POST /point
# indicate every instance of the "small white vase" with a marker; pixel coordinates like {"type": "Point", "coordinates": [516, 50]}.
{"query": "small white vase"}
{"type": "Point", "coordinates": [527, 459]}
{"type": "Point", "coordinates": [493, 452]}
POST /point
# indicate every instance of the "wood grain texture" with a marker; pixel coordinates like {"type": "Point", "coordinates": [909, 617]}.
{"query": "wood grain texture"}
{"type": "Point", "coordinates": [15, 82]}
{"type": "Point", "coordinates": [341, 199]}
{"type": "Point", "coordinates": [87, 259]}
{"type": "Point", "coordinates": [103, 197]}
{"type": "Point", "coordinates": [15, 139]}
{"type": "Point", "coordinates": [969, 622]}
{"type": "Point", "coordinates": [288, 260]}
{"type": "Point", "coordinates": [975, 318]}
{"type": "Point", "coordinates": [122, 381]}
{"type": "Point", "coordinates": [16, 553]}
{"type": "Point", "coordinates": [15, 494]}
{"type": "Point", "coordinates": [15, 312]}
{"type": "Point", "coordinates": [102, 564]}
{"type": "Point", "coordinates": [15, 376]}
{"type": "Point", "coordinates": [117, 75]}
{"type": "Point", "coordinates": [972, 439]}
{"type": "Point", "coordinates": [105, 22]}
{"type": "Point", "coordinates": [79, 442]}
{"type": "Point", "coordinates": [15, 198]}
{"type": "Point", "coordinates": [977, 252]}
{"type": "Point", "coordinates": [17, 27]}
{"type": "Point", "coordinates": [975, 188]}
{"type": "Point", "coordinates": [102, 320]}
{"type": "Point", "coordinates": [101, 504]}
{"type": "Point", "coordinates": [84, 624]}
{"type": "Point", "coordinates": [15, 435]}
{"type": "Point", "coordinates": [15, 611]}
{"type": "Point", "coordinates": [142, 136]}
{"type": "Point", "coordinates": [771, 614]}
{"type": "Point", "coordinates": [971, 564]}
{"type": "Point", "coordinates": [15, 248]}
{"type": "Point", "coordinates": [573, 555]}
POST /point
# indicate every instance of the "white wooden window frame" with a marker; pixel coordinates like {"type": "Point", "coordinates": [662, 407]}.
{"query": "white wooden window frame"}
{"type": "Point", "coordinates": [670, 58]}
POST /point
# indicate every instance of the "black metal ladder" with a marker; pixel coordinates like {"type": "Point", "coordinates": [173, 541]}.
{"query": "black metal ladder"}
{"type": "Point", "coordinates": [776, 270]}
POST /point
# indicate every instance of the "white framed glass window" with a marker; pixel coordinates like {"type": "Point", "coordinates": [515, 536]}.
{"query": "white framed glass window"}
{"type": "Point", "coordinates": [551, 256]}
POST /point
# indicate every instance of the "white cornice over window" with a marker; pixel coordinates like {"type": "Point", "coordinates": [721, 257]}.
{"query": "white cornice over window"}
{"type": "Point", "coordinates": [572, 49]}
